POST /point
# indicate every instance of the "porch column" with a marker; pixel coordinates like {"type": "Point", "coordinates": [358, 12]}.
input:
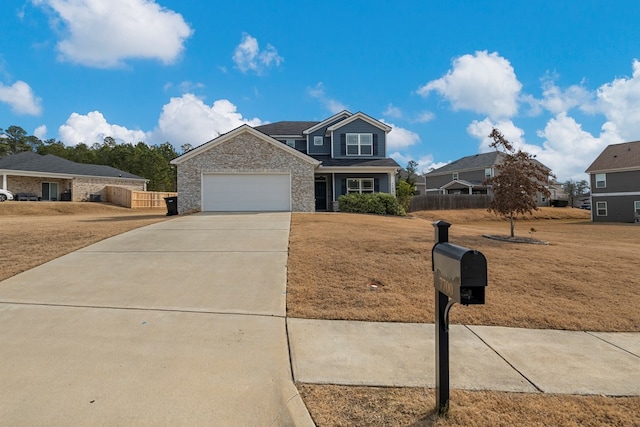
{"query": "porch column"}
{"type": "Point", "coordinates": [4, 181]}
{"type": "Point", "coordinates": [470, 190]}
{"type": "Point", "coordinates": [392, 183]}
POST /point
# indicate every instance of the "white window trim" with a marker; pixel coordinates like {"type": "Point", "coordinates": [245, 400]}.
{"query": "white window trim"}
{"type": "Point", "coordinates": [604, 181]}
{"type": "Point", "coordinates": [361, 189]}
{"type": "Point", "coordinates": [318, 140]}
{"type": "Point", "coordinates": [598, 209]}
{"type": "Point", "coordinates": [359, 144]}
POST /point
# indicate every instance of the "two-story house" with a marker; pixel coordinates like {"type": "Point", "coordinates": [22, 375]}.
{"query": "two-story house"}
{"type": "Point", "coordinates": [615, 184]}
{"type": "Point", "coordinates": [466, 176]}
{"type": "Point", "coordinates": [287, 166]}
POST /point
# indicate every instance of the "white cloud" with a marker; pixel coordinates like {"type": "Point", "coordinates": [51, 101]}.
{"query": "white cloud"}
{"type": "Point", "coordinates": [183, 120]}
{"type": "Point", "coordinates": [20, 97]}
{"type": "Point", "coordinates": [481, 130]}
{"type": "Point", "coordinates": [400, 138]}
{"type": "Point", "coordinates": [558, 100]}
{"type": "Point", "coordinates": [333, 105]}
{"type": "Point", "coordinates": [424, 117]}
{"type": "Point", "coordinates": [568, 150]}
{"type": "Point", "coordinates": [425, 163]}
{"type": "Point", "coordinates": [619, 101]}
{"type": "Point", "coordinates": [248, 56]}
{"type": "Point", "coordinates": [484, 83]}
{"type": "Point", "coordinates": [104, 34]}
{"type": "Point", "coordinates": [40, 132]}
{"type": "Point", "coordinates": [188, 119]}
{"type": "Point", "coordinates": [392, 111]}
{"type": "Point", "coordinates": [93, 127]}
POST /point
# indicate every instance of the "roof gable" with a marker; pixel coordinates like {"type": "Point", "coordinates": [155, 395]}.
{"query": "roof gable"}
{"type": "Point", "coordinates": [238, 131]}
{"type": "Point", "coordinates": [625, 156]}
{"type": "Point", "coordinates": [341, 115]}
{"type": "Point", "coordinates": [361, 116]}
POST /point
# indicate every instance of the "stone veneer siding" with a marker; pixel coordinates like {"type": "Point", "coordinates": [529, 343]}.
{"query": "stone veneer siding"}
{"type": "Point", "coordinates": [81, 187]}
{"type": "Point", "coordinates": [245, 153]}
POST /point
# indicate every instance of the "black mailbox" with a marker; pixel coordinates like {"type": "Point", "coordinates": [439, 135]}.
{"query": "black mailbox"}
{"type": "Point", "coordinates": [459, 272]}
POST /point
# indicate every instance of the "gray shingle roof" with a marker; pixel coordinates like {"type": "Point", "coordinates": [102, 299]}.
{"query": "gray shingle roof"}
{"type": "Point", "coordinates": [328, 161]}
{"type": "Point", "coordinates": [285, 128]}
{"type": "Point", "coordinates": [33, 162]}
{"type": "Point", "coordinates": [617, 156]}
{"type": "Point", "coordinates": [474, 162]}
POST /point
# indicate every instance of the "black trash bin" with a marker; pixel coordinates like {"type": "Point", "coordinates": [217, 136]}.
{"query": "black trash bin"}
{"type": "Point", "coordinates": [172, 205]}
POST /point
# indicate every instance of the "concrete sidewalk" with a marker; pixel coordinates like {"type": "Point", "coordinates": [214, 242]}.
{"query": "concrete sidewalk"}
{"type": "Point", "coordinates": [481, 357]}
{"type": "Point", "coordinates": [178, 323]}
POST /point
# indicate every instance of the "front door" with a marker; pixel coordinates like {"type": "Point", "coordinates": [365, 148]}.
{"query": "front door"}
{"type": "Point", "coordinates": [321, 195]}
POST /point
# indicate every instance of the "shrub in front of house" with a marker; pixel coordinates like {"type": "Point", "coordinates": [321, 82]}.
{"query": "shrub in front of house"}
{"type": "Point", "coordinates": [373, 203]}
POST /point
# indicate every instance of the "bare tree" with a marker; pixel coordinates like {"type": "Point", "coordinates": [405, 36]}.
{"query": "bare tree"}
{"type": "Point", "coordinates": [518, 180]}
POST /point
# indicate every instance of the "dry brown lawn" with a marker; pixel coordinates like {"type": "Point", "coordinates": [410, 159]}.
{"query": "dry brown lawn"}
{"type": "Point", "coordinates": [36, 232]}
{"type": "Point", "coordinates": [585, 279]}
{"type": "Point", "coordinates": [336, 258]}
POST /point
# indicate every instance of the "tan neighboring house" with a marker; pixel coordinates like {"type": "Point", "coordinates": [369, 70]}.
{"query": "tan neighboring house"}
{"type": "Point", "coordinates": [31, 176]}
{"type": "Point", "coordinates": [615, 184]}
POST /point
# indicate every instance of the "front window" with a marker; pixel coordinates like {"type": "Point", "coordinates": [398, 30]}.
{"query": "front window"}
{"type": "Point", "coordinates": [359, 185]}
{"type": "Point", "coordinates": [317, 140]}
{"type": "Point", "coordinates": [601, 180]}
{"type": "Point", "coordinates": [601, 208]}
{"type": "Point", "coordinates": [636, 207]}
{"type": "Point", "coordinates": [359, 144]}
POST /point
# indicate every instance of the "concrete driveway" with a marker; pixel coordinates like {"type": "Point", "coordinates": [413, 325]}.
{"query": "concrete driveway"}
{"type": "Point", "coordinates": [177, 323]}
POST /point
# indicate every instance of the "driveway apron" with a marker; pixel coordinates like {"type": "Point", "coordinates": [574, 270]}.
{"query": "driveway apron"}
{"type": "Point", "coordinates": [177, 323]}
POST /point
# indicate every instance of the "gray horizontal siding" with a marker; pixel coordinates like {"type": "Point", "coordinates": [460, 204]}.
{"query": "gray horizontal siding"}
{"type": "Point", "coordinates": [619, 208]}
{"type": "Point", "coordinates": [359, 126]}
{"type": "Point", "coordinates": [617, 182]}
{"type": "Point", "coordinates": [382, 181]}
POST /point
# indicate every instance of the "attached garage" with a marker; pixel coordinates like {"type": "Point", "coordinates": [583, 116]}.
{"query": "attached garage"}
{"type": "Point", "coordinates": [245, 171]}
{"type": "Point", "coordinates": [246, 192]}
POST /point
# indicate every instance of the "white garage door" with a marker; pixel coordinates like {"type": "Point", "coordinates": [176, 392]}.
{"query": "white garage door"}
{"type": "Point", "coordinates": [246, 192]}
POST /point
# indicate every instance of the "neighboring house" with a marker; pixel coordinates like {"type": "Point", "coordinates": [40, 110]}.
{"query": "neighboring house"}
{"type": "Point", "coordinates": [420, 182]}
{"type": "Point", "coordinates": [615, 184]}
{"type": "Point", "coordinates": [466, 176]}
{"type": "Point", "coordinates": [53, 178]}
{"type": "Point", "coordinates": [287, 166]}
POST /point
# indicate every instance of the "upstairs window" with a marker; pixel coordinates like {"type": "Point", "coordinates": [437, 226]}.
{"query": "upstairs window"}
{"type": "Point", "coordinates": [601, 180]}
{"type": "Point", "coordinates": [359, 144]}
{"type": "Point", "coordinates": [291, 143]}
{"type": "Point", "coordinates": [359, 185]}
{"type": "Point", "coordinates": [455, 176]}
{"type": "Point", "coordinates": [317, 140]}
{"type": "Point", "coordinates": [488, 173]}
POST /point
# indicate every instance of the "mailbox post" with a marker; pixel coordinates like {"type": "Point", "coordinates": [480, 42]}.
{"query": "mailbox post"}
{"type": "Point", "coordinates": [459, 276]}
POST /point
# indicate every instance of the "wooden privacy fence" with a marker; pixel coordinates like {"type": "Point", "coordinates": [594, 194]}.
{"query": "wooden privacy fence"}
{"type": "Point", "coordinates": [449, 201]}
{"type": "Point", "coordinates": [138, 199]}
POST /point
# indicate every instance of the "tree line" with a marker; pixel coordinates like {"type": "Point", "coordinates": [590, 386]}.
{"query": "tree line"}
{"type": "Point", "coordinates": [148, 161]}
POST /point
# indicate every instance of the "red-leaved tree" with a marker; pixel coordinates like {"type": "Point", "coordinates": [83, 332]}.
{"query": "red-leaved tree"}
{"type": "Point", "coordinates": [517, 181]}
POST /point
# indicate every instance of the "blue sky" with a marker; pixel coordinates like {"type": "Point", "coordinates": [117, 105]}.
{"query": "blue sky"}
{"type": "Point", "coordinates": [561, 79]}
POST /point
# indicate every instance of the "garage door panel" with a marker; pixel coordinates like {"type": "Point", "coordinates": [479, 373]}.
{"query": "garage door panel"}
{"type": "Point", "coordinates": [246, 192]}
